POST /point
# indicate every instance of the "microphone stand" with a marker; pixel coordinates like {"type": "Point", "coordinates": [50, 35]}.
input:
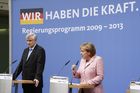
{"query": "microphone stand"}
{"type": "Point", "coordinates": [10, 65]}
{"type": "Point", "coordinates": [63, 67]}
{"type": "Point", "coordinates": [70, 90]}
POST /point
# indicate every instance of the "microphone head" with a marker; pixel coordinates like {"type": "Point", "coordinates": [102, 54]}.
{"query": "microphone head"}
{"type": "Point", "coordinates": [67, 62]}
{"type": "Point", "coordinates": [14, 61]}
{"type": "Point", "coordinates": [77, 62]}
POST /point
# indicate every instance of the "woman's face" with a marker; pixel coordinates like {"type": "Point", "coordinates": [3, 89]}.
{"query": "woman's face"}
{"type": "Point", "coordinates": [84, 54]}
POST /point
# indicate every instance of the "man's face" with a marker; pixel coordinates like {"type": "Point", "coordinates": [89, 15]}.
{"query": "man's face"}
{"type": "Point", "coordinates": [31, 41]}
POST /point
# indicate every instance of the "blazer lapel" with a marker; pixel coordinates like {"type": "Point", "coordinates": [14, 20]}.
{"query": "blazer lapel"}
{"type": "Point", "coordinates": [88, 64]}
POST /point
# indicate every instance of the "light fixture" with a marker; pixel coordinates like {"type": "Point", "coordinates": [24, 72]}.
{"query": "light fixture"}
{"type": "Point", "coordinates": [3, 30]}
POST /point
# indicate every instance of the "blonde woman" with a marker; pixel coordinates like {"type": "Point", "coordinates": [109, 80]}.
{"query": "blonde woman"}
{"type": "Point", "coordinates": [91, 69]}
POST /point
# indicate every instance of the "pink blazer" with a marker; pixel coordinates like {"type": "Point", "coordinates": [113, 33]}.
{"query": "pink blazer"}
{"type": "Point", "coordinates": [91, 72]}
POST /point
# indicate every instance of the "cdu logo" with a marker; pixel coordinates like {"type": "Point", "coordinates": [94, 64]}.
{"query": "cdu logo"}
{"type": "Point", "coordinates": [31, 16]}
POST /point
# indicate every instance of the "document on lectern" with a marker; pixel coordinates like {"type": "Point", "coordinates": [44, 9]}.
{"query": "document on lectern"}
{"type": "Point", "coordinates": [59, 84]}
{"type": "Point", "coordinates": [5, 83]}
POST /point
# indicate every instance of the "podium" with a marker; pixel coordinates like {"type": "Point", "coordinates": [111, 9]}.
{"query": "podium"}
{"type": "Point", "coordinates": [75, 85]}
{"type": "Point", "coordinates": [134, 87]}
{"type": "Point", "coordinates": [16, 82]}
{"type": "Point", "coordinates": [58, 84]}
{"type": "Point", "coordinates": [5, 83]}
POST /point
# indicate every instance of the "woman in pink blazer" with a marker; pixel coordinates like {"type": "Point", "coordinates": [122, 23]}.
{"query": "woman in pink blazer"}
{"type": "Point", "coordinates": [91, 69]}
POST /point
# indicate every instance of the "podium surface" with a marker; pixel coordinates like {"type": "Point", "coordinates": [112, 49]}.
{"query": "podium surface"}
{"type": "Point", "coordinates": [23, 82]}
{"type": "Point", "coordinates": [76, 85]}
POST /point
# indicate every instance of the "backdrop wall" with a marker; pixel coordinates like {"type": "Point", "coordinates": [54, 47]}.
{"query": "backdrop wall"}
{"type": "Point", "coordinates": [62, 26]}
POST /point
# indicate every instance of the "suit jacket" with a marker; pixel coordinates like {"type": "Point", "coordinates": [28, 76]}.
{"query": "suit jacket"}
{"type": "Point", "coordinates": [32, 68]}
{"type": "Point", "coordinates": [91, 72]}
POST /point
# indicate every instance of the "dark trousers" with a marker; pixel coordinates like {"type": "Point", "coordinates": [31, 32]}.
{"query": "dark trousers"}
{"type": "Point", "coordinates": [30, 88]}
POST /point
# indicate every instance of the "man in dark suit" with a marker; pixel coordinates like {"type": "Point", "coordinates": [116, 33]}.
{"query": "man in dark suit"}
{"type": "Point", "coordinates": [32, 65]}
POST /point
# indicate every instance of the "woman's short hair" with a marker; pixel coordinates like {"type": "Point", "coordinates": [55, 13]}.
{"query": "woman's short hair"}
{"type": "Point", "coordinates": [89, 47]}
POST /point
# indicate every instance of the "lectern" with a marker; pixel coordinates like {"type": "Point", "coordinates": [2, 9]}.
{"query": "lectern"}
{"type": "Point", "coordinates": [78, 86]}
{"type": "Point", "coordinates": [134, 87]}
{"type": "Point", "coordinates": [5, 83]}
{"type": "Point", "coordinates": [58, 84]}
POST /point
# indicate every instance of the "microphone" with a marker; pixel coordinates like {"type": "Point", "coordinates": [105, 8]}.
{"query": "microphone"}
{"type": "Point", "coordinates": [63, 67]}
{"type": "Point", "coordinates": [14, 61]}
{"type": "Point", "coordinates": [77, 63]}
{"type": "Point", "coordinates": [10, 65]}
{"type": "Point", "coordinates": [67, 62]}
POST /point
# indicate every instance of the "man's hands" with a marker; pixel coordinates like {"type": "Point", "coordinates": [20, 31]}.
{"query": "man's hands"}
{"type": "Point", "coordinates": [36, 82]}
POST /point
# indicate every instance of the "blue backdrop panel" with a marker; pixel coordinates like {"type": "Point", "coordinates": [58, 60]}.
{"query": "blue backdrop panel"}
{"type": "Point", "coordinates": [113, 26]}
